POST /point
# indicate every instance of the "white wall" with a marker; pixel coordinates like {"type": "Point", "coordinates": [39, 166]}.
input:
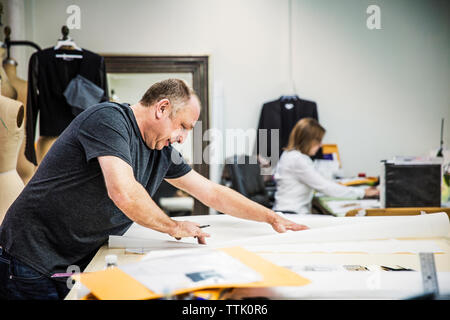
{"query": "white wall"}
{"type": "Point", "coordinates": [380, 93]}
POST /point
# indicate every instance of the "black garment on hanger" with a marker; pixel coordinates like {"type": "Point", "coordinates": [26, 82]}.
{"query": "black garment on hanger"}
{"type": "Point", "coordinates": [283, 114]}
{"type": "Point", "coordinates": [48, 77]}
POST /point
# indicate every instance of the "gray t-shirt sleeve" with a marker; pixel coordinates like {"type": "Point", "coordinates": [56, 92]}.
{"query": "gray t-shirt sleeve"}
{"type": "Point", "coordinates": [106, 133]}
{"type": "Point", "coordinates": [178, 166]}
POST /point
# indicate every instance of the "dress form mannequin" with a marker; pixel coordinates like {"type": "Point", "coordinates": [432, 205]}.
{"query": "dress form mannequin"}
{"type": "Point", "coordinates": [13, 88]}
{"type": "Point", "coordinates": [24, 167]}
{"type": "Point", "coordinates": [7, 89]}
{"type": "Point", "coordinates": [20, 85]}
{"type": "Point", "coordinates": [11, 136]}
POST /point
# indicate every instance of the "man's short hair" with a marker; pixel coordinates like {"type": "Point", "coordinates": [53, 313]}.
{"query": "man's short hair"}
{"type": "Point", "coordinates": [175, 90]}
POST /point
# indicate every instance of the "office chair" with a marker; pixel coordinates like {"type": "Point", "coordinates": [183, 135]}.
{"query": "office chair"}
{"type": "Point", "coordinates": [243, 174]}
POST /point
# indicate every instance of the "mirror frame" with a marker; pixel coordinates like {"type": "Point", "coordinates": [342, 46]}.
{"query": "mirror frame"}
{"type": "Point", "coordinates": [198, 67]}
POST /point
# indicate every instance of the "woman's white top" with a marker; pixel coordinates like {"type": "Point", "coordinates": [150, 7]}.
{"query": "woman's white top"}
{"type": "Point", "coordinates": [297, 179]}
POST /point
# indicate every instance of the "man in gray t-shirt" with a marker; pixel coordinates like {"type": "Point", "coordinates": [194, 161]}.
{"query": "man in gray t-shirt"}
{"type": "Point", "coordinates": [98, 178]}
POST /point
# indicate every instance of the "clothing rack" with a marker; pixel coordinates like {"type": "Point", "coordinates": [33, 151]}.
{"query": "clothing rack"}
{"type": "Point", "coordinates": [9, 43]}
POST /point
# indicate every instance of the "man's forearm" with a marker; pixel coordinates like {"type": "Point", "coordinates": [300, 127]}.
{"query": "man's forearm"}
{"type": "Point", "coordinates": [140, 208]}
{"type": "Point", "coordinates": [228, 201]}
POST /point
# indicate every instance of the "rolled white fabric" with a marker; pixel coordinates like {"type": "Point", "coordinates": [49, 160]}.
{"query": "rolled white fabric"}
{"type": "Point", "coordinates": [365, 228]}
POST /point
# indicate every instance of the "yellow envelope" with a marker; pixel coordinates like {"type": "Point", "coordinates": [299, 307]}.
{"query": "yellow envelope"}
{"type": "Point", "coordinates": [114, 284]}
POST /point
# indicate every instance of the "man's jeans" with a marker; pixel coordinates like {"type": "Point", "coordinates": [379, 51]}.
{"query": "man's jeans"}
{"type": "Point", "coordinates": [19, 282]}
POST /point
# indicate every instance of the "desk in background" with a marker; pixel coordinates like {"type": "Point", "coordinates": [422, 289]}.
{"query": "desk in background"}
{"type": "Point", "coordinates": [340, 206]}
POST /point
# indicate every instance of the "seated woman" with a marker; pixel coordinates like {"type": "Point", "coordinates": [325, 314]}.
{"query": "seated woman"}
{"type": "Point", "coordinates": [296, 176]}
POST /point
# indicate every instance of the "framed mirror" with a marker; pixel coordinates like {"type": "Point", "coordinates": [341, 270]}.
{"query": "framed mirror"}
{"type": "Point", "coordinates": [130, 76]}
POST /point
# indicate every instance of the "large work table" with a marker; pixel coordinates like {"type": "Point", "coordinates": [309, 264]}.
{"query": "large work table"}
{"type": "Point", "coordinates": [327, 263]}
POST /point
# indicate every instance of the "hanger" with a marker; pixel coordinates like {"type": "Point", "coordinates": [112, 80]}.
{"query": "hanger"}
{"type": "Point", "coordinates": [290, 95]}
{"type": "Point", "coordinates": [289, 98]}
{"type": "Point", "coordinates": [67, 43]}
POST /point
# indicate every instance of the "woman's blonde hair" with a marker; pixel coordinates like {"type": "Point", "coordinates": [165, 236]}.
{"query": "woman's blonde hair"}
{"type": "Point", "coordinates": [305, 132]}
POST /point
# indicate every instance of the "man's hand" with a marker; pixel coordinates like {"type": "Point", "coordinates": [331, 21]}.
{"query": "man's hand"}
{"type": "Point", "coordinates": [228, 201]}
{"type": "Point", "coordinates": [189, 229]}
{"type": "Point", "coordinates": [280, 224]}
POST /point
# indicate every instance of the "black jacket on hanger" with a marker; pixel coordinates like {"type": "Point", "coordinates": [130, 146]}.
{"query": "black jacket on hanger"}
{"type": "Point", "coordinates": [48, 77]}
{"type": "Point", "coordinates": [283, 114]}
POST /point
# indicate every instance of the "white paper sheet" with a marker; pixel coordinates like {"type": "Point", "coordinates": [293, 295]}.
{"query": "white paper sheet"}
{"type": "Point", "coordinates": [228, 231]}
{"type": "Point", "coordinates": [420, 226]}
{"type": "Point", "coordinates": [366, 246]}
{"type": "Point", "coordinates": [361, 285]}
{"type": "Point", "coordinates": [149, 244]}
{"type": "Point", "coordinates": [178, 270]}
